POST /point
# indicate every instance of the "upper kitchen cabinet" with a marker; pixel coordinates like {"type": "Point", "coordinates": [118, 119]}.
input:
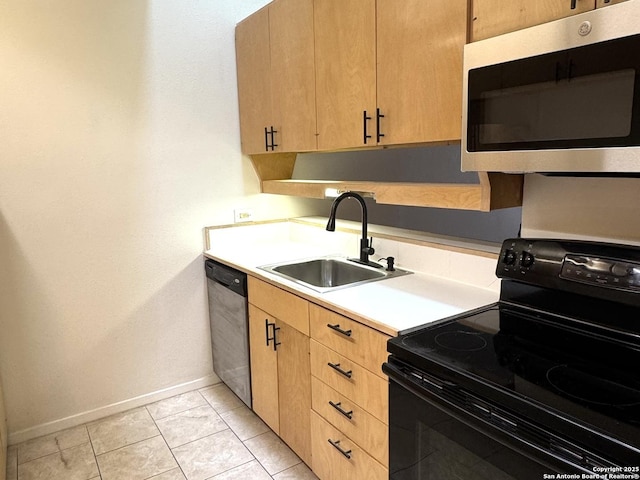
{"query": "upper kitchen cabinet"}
{"type": "Point", "coordinates": [495, 17]}
{"type": "Point", "coordinates": [419, 74]}
{"type": "Point", "coordinates": [276, 85]}
{"type": "Point", "coordinates": [388, 72]}
{"type": "Point", "coordinates": [345, 35]}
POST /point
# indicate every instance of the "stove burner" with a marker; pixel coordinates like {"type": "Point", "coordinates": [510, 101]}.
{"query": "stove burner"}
{"type": "Point", "coordinates": [591, 386]}
{"type": "Point", "coordinates": [461, 341]}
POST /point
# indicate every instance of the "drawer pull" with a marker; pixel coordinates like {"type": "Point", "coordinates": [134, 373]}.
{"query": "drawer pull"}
{"type": "Point", "coordinates": [336, 367]}
{"type": "Point", "coordinates": [336, 445]}
{"type": "Point", "coordinates": [338, 407]}
{"type": "Point", "coordinates": [346, 333]}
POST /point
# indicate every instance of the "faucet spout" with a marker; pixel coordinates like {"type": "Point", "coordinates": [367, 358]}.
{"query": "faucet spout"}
{"type": "Point", "coordinates": [365, 246]}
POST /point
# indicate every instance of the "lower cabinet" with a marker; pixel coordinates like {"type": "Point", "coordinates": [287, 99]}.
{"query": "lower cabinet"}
{"type": "Point", "coordinates": [350, 398]}
{"type": "Point", "coordinates": [280, 369]}
{"type": "Point", "coordinates": [317, 381]}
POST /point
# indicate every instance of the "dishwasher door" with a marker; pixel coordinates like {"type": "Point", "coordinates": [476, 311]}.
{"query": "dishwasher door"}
{"type": "Point", "coordinates": [227, 289]}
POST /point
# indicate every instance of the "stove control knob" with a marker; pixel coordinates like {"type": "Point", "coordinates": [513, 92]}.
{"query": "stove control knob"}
{"type": "Point", "coordinates": [526, 260]}
{"type": "Point", "coordinates": [621, 270]}
{"type": "Point", "coordinates": [509, 257]}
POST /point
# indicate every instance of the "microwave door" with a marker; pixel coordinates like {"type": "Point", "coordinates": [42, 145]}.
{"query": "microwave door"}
{"type": "Point", "coordinates": [569, 110]}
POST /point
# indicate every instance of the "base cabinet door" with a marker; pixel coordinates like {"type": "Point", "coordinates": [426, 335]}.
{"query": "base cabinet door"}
{"type": "Point", "coordinates": [280, 363]}
{"type": "Point", "coordinates": [294, 390]}
{"type": "Point", "coordinates": [264, 368]}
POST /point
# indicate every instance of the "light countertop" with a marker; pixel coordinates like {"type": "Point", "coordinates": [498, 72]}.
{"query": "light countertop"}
{"type": "Point", "coordinates": [391, 305]}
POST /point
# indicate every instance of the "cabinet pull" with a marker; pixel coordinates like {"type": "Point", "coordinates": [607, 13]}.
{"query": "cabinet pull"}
{"type": "Point", "coordinates": [364, 126]}
{"type": "Point", "coordinates": [378, 117]}
{"type": "Point", "coordinates": [266, 333]}
{"type": "Point", "coordinates": [272, 132]}
{"type": "Point", "coordinates": [346, 333]}
{"type": "Point", "coordinates": [336, 445]}
{"type": "Point", "coordinates": [336, 367]}
{"type": "Point", "coordinates": [339, 408]}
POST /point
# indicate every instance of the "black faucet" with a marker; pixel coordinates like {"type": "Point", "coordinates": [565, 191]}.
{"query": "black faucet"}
{"type": "Point", "coordinates": [365, 246]}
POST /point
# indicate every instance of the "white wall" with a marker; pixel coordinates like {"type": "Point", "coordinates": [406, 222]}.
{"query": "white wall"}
{"type": "Point", "coordinates": [119, 143]}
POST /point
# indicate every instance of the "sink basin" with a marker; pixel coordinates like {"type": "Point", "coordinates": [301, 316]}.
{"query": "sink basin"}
{"type": "Point", "coordinates": [330, 273]}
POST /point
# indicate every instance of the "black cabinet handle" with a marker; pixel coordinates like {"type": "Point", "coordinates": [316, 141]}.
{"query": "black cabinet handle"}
{"type": "Point", "coordinates": [338, 407]}
{"type": "Point", "coordinates": [336, 445]}
{"type": "Point", "coordinates": [346, 333]}
{"type": "Point", "coordinates": [573, 4]}
{"type": "Point", "coordinates": [336, 367]}
{"type": "Point", "coordinates": [266, 139]}
{"type": "Point", "coordinates": [266, 324]}
{"type": "Point", "coordinates": [365, 118]}
{"type": "Point", "coordinates": [272, 132]}
{"type": "Point", "coordinates": [266, 332]}
{"type": "Point", "coordinates": [378, 117]}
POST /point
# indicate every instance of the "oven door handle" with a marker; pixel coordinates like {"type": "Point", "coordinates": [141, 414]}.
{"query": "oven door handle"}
{"type": "Point", "coordinates": [414, 382]}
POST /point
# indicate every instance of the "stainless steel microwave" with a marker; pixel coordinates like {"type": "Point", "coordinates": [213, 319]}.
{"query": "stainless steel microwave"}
{"type": "Point", "coordinates": [561, 97]}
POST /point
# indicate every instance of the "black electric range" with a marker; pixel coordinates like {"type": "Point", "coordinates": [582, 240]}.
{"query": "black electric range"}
{"type": "Point", "coordinates": [550, 373]}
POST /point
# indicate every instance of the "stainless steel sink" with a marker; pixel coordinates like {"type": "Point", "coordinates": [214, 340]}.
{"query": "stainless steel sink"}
{"type": "Point", "coordinates": [330, 273]}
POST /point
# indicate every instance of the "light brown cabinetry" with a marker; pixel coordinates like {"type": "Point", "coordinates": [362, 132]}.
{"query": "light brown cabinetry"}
{"type": "Point", "coordinates": [345, 36]}
{"type": "Point", "coordinates": [381, 73]}
{"type": "Point", "coordinates": [280, 368]}
{"type": "Point", "coordinates": [349, 398]}
{"type": "Point", "coordinates": [388, 72]}
{"type": "Point", "coordinates": [350, 463]}
{"type": "Point", "coordinates": [495, 17]}
{"type": "Point", "coordinates": [419, 75]}
{"type": "Point", "coordinates": [276, 87]}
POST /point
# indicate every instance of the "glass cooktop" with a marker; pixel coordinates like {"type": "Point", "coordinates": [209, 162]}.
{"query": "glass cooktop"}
{"type": "Point", "coordinates": [576, 370]}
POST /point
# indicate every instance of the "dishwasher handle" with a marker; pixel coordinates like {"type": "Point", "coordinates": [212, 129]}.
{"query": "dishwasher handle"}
{"type": "Point", "coordinates": [228, 277]}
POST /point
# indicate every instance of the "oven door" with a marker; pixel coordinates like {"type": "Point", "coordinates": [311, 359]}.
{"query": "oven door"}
{"type": "Point", "coordinates": [430, 438]}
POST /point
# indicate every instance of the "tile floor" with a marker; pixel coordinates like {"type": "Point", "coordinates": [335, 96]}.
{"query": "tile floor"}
{"type": "Point", "coordinates": [200, 435]}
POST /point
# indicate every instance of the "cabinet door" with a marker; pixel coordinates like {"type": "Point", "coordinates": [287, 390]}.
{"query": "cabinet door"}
{"type": "Point", "coordinates": [294, 390]}
{"type": "Point", "coordinates": [495, 17]}
{"type": "Point", "coordinates": [420, 47]}
{"type": "Point", "coordinates": [345, 37]}
{"type": "Point", "coordinates": [292, 74]}
{"type": "Point", "coordinates": [254, 80]}
{"type": "Point", "coordinates": [264, 368]}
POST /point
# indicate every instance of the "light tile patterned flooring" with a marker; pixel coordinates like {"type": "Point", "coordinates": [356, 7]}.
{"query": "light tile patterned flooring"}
{"type": "Point", "coordinates": [200, 435]}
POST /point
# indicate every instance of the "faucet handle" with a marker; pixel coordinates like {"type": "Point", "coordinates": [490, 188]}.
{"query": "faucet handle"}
{"type": "Point", "coordinates": [368, 247]}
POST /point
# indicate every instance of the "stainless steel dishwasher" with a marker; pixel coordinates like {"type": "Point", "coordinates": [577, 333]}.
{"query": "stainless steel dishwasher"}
{"type": "Point", "coordinates": [229, 320]}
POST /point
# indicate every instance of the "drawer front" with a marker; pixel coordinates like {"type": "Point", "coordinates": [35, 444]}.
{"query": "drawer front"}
{"type": "Point", "coordinates": [358, 342]}
{"type": "Point", "coordinates": [283, 305]}
{"type": "Point", "coordinates": [330, 464]}
{"type": "Point", "coordinates": [363, 428]}
{"type": "Point", "coordinates": [360, 386]}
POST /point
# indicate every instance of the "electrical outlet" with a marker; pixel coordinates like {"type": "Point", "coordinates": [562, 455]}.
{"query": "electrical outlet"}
{"type": "Point", "coordinates": [242, 215]}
